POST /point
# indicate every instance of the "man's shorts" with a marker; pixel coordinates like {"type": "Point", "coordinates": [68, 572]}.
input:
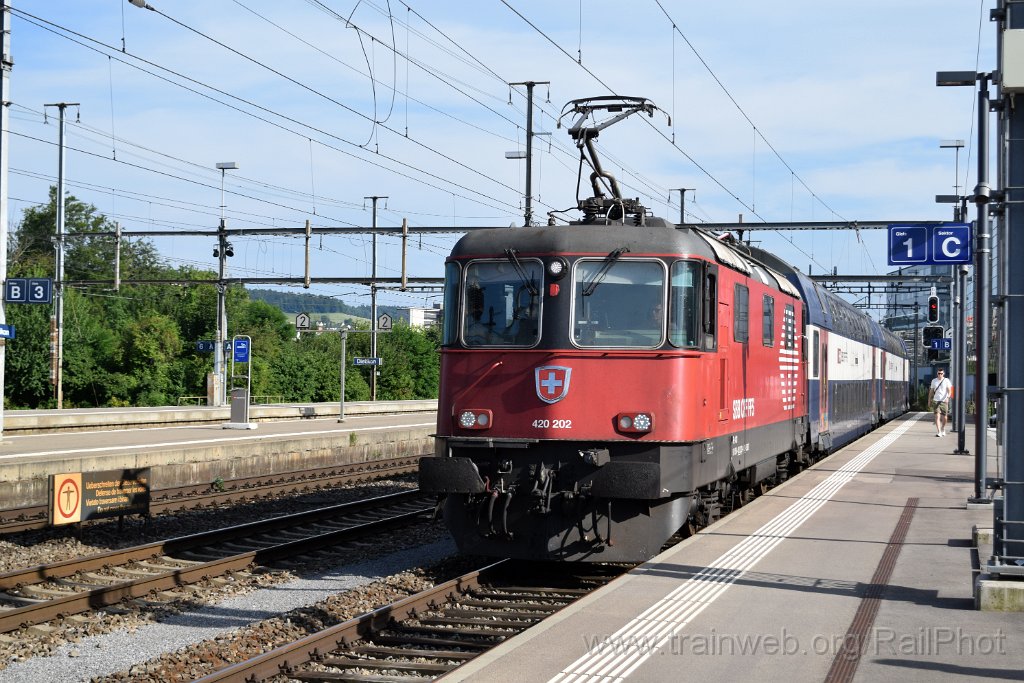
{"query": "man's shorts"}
{"type": "Point", "coordinates": [942, 407]}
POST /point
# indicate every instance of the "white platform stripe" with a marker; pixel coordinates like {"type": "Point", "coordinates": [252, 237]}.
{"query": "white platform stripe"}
{"type": "Point", "coordinates": [622, 652]}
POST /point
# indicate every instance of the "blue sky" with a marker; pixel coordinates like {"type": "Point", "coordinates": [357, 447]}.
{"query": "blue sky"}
{"type": "Point", "coordinates": [843, 92]}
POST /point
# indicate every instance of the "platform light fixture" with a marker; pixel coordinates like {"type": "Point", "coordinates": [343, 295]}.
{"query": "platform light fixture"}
{"type": "Point", "coordinates": [955, 78]}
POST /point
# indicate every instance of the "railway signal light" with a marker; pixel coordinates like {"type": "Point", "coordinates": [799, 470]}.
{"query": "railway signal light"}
{"type": "Point", "coordinates": [933, 309]}
{"type": "Point", "coordinates": [927, 335]}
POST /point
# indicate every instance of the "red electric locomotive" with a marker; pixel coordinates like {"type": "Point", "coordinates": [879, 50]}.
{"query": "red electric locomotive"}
{"type": "Point", "coordinates": [607, 382]}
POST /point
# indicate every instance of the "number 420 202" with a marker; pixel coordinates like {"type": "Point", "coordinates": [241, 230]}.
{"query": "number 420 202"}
{"type": "Point", "coordinates": [552, 424]}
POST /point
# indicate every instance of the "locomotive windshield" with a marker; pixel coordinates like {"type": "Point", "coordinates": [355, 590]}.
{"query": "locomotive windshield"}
{"type": "Point", "coordinates": [684, 304]}
{"type": "Point", "coordinates": [618, 303]}
{"type": "Point", "coordinates": [501, 303]}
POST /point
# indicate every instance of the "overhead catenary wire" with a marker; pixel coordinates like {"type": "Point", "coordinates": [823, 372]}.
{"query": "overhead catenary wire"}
{"type": "Point", "coordinates": [705, 171]}
{"type": "Point", "coordinates": [333, 100]}
{"type": "Point", "coordinates": [483, 198]}
{"type": "Point", "coordinates": [265, 109]}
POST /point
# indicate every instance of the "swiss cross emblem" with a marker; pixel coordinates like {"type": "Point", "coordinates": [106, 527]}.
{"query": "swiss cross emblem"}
{"type": "Point", "coordinates": [552, 382]}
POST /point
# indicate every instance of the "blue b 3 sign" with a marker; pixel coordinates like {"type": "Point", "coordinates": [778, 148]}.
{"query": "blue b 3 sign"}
{"type": "Point", "coordinates": [34, 290]}
{"type": "Point", "coordinates": [929, 245]}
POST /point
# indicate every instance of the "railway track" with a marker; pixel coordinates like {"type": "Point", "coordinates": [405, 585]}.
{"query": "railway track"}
{"type": "Point", "coordinates": [427, 635]}
{"type": "Point", "coordinates": [39, 594]}
{"type": "Point", "coordinates": [196, 496]}
{"type": "Point", "coordinates": [431, 633]}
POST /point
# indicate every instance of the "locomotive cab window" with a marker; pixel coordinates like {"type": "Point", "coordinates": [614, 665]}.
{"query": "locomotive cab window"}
{"type": "Point", "coordinates": [618, 303]}
{"type": "Point", "coordinates": [501, 303]}
{"type": "Point", "coordinates": [684, 304]}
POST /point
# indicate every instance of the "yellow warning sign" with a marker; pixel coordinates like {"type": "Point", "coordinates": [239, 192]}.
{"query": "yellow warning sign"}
{"type": "Point", "coordinates": [66, 500]}
{"type": "Point", "coordinates": [81, 496]}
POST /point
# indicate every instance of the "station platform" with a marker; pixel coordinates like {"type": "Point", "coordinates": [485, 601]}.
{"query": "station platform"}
{"type": "Point", "coordinates": [861, 568]}
{"type": "Point", "coordinates": [17, 422]}
{"type": "Point", "coordinates": [201, 453]}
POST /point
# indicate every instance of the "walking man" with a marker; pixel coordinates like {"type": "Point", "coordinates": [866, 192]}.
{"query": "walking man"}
{"type": "Point", "coordinates": [938, 400]}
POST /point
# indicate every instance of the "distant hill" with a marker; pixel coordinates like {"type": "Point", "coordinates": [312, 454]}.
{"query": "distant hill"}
{"type": "Point", "coordinates": [316, 304]}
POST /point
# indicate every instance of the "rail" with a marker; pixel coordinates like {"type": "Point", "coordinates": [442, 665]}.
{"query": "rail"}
{"type": "Point", "coordinates": [428, 634]}
{"type": "Point", "coordinates": [39, 594]}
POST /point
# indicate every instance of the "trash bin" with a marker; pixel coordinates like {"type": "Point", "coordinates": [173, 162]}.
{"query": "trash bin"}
{"type": "Point", "coordinates": [240, 405]}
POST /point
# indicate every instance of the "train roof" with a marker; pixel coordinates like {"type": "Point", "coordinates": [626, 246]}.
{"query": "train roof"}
{"type": "Point", "coordinates": [828, 311]}
{"type": "Point", "coordinates": [657, 237]}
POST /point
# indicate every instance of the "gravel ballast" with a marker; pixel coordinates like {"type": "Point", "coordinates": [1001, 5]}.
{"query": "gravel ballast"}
{"type": "Point", "coordinates": [107, 654]}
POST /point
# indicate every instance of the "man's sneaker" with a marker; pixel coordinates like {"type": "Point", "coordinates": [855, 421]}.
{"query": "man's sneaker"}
{"type": "Point", "coordinates": [938, 433]}
{"type": "Point", "coordinates": [943, 432]}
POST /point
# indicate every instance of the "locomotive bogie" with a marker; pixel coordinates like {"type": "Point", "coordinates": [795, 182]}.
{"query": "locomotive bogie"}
{"type": "Point", "coordinates": [579, 501]}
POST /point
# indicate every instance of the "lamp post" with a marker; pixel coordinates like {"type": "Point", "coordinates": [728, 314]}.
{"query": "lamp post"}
{"type": "Point", "coordinates": [221, 253]}
{"type": "Point", "coordinates": [982, 275]}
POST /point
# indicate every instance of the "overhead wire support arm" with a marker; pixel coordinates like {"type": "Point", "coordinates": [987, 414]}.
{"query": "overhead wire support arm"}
{"type": "Point", "coordinates": [814, 225]}
{"type": "Point", "coordinates": [314, 230]}
{"type": "Point", "coordinates": [924, 279]}
{"type": "Point", "coordinates": [395, 281]}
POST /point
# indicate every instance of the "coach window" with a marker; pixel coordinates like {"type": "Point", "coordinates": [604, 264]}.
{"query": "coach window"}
{"type": "Point", "coordinates": [741, 314]}
{"type": "Point", "coordinates": [618, 303]}
{"type": "Point", "coordinates": [501, 304]}
{"type": "Point", "coordinates": [684, 304]}
{"type": "Point", "coordinates": [768, 321]}
{"type": "Point", "coordinates": [815, 343]}
{"type": "Point", "coordinates": [450, 312]}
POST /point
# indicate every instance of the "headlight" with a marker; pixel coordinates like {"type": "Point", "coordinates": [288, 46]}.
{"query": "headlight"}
{"type": "Point", "coordinates": [474, 418]}
{"type": "Point", "coordinates": [634, 423]}
{"type": "Point", "coordinates": [557, 268]}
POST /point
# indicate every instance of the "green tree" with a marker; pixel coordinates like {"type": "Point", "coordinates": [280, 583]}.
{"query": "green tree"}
{"type": "Point", "coordinates": [27, 357]}
{"type": "Point", "coordinates": [136, 345]}
{"type": "Point", "coordinates": [411, 365]}
{"type": "Point", "coordinates": [85, 258]}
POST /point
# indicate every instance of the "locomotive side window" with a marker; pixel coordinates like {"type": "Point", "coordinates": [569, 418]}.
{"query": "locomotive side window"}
{"type": "Point", "coordinates": [709, 310]}
{"type": "Point", "coordinates": [618, 303]}
{"type": "Point", "coordinates": [741, 314]}
{"type": "Point", "coordinates": [684, 304]}
{"type": "Point", "coordinates": [768, 321]}
{"type": "Point", "coordinates": [450, 312]}
{"type": "Point", "coordinates": [502, 303]}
